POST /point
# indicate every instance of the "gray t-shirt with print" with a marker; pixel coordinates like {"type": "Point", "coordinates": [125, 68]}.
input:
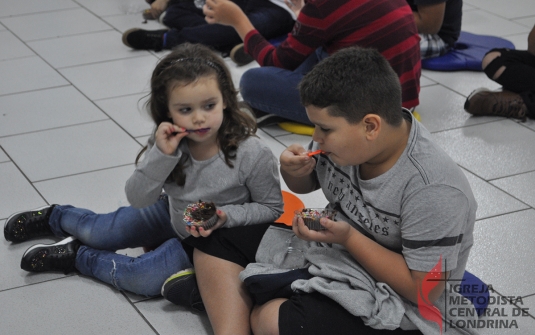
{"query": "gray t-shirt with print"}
{"type": "Point", "coordinates": [423, 207]}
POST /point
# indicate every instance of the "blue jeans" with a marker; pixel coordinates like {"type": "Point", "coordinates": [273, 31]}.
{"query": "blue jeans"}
{"type": "Point", "coordinates": [274, 90]}
{"type": "Point", "coordinates": [269, 19]}
{"type": "Point", "coordinates": [127, 227]}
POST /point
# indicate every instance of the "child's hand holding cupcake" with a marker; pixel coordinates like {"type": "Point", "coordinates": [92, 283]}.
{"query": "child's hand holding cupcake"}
{"type": "Point", "coordinates": [318, 225]}
{"type": "Point", "coordinates": [202, 218]}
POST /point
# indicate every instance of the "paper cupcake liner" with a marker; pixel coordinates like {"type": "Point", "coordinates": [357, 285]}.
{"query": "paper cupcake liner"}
{"type": "Point", "coordinates": [313, 224]}
{"type": "Point", "coordinates": [311, 217]}
{"type": "Point", "coordinates": [206, 224]}
{"type": "Point", "coordinates": [209, 223]}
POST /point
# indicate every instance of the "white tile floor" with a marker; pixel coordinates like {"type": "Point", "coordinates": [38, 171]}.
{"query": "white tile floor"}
{"type": "Point", "coordinates": [71, 124]}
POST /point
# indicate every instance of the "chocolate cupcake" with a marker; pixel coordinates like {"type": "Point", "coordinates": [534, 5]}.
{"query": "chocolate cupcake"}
{"type": "Point", "coordinates": [201, 214]}
{"type": "Point", "coordinates": [311, 217]}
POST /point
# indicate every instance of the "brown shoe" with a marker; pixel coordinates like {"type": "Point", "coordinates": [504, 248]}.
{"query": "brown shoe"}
{"type": "Point", "coordinates": [505, 103]}
{"type": "Point", "coordinates": [147, 14]}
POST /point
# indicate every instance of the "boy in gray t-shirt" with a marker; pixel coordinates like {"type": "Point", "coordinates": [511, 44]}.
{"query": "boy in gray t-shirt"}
{"type": "Point", "coordinates": [403, 205]}
{"type": "Point", "coordinates": [405, 213]}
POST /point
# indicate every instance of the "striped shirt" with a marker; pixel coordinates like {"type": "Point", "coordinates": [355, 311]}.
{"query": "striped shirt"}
{"type": "Point", "coordinates": [386, 25]}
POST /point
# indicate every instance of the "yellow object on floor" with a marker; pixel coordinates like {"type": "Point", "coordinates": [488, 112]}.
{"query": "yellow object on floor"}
{"type": "Point", "coordinates": [416, 116]}
{"type": "Point", "coordinates": [297, 128]}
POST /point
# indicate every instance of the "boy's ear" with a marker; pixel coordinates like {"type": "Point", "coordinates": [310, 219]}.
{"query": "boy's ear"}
{"type": "Point", "coordinates": [372, 124]}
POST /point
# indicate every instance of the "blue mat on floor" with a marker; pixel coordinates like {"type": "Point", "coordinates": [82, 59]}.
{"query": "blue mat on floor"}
{"type": "Point", "coordinates": [475, 290]}
{"type": "Point", "coordinates": [467, 53]}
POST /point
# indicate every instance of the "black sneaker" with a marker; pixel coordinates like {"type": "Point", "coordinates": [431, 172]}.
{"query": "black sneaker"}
{"type": "Point", "coordinates": [239, 56]}
{"type": "Point", "coordinates": [483, 101]}
{"type": "Point", "coordinates": [136, 38]}
{"type": "Point", "coordinates": [23, 226]}
{"type": "Point", "coordinates": [60, 256]}
{"type": "Point", "coordinates": [181, 289]}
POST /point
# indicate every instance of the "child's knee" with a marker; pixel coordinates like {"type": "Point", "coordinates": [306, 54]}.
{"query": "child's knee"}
{"type": "Point", "coordinates": [489, 57]}
{"type": "Point", "coordinates": [492, 64]}
{"type": "Point", "coordinates": [265, 318]}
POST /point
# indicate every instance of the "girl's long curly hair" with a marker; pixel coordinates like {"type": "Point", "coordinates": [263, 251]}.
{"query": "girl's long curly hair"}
{"type": "Point", "coordinates": [185, 65]}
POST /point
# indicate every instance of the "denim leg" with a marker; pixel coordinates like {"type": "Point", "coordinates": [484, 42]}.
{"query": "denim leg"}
{"type": "Point", "coordinates": [142, 275]}
{"type": "Point", "coordinates": [274, 90]}
{"type": "Point", "coordinates": [127, 227]}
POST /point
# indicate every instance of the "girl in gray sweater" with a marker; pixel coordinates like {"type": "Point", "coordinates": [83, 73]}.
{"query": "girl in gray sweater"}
{"type": "Point", "coordinates": [203, 147]}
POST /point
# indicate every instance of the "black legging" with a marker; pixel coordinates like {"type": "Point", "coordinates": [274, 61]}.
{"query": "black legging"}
{"type": "Point", "coordinates": [519, 74]}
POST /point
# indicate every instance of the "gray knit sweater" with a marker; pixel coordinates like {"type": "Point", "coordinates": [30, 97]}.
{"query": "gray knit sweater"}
{"type": "Point", "coordinates": [249, 193]}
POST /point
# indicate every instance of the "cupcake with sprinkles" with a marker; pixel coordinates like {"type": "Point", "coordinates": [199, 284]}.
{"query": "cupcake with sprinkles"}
{"type": "Point", "coordinates": [311, 217]}
{"type": "Point", "coordinates": [201, 214]}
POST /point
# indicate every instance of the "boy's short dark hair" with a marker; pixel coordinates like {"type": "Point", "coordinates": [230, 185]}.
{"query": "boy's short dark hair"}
{"type": "Point", "coordinates": [354, 82]}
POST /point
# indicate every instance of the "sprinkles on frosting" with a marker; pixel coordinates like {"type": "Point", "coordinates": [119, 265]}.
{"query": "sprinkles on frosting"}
{"type": "Point", "coordinates": [196, 207]}
{"type": "Point", "coordinates": [315, 213]}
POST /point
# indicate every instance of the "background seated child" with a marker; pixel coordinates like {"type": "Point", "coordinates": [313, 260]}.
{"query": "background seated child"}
{"type": "Point", "coordinates": [322, 28]}
{"type": "Point", "coordinates": [438, 23]}
{"type": "Point", "coordinates": [187, 24]}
